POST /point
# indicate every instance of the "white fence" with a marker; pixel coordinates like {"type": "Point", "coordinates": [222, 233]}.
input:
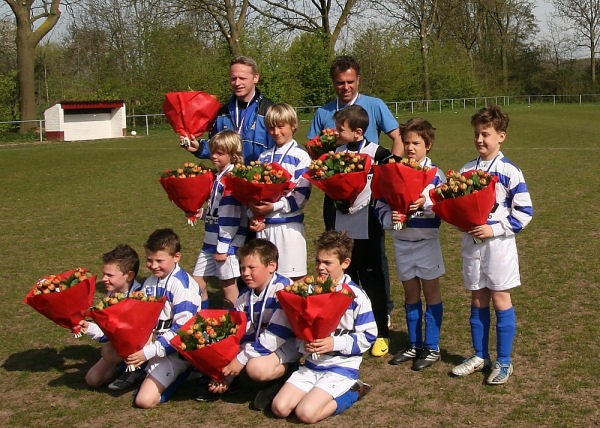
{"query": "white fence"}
{"type": "Point", "coordinates": [396, 107]}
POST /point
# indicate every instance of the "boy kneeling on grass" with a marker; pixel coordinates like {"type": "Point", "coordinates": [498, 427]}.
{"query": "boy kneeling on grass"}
{"type": "Point", "coordinates": [329, 384]}
{"type": "Point", "coordinates": [268, 349]}
{"type": "Point", "coordinates": [119, 269]}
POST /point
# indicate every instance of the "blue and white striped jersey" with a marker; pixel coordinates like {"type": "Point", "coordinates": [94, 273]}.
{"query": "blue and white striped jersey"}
{"type": "Point", "coordinates": [265, 317]}
{"type": "Point", "coordinates": [355, 334]}
{"type": "Point", "coordinates": [183, 301]}
{"type": "Point", "coordinates": [514, 209]}
{"type": "Point", "coordinates": [422, 224]}
{"type": "Point", "coordinates": [225, 221]}
{"type": "Point", "coordinates": [296, 161]}
{"type": "Point", "coordinates": [93, 331]}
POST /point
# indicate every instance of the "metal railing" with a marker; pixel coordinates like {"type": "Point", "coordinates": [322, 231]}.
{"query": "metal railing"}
{"type": "Point", "coordinates": [398, 107]}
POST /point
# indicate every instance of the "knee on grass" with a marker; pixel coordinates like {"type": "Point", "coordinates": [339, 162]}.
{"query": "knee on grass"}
{"type": "Point", "coordinates": [146, 401]}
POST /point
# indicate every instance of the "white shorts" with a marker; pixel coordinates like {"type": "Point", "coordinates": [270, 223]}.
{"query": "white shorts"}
{"type": "Point", "coordinates": [166, 369]}
{"type": "Point", "coordinates": [288, 352]}
{"type": "Point", "coordinates": [332, 383]}
{"type": "Point", "coordinates": [291, 244]}
{"type": "Point", "coordinates": [421, 259]}
{"type": "Point", "coordinates": [207, 266]}
{"type": "Point", "coordinates": [493, 264]}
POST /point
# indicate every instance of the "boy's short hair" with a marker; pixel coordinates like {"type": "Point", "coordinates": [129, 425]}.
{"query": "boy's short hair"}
{"type": "Point", "coordinates": [492, 115]}
{"type": "Point", "coordinates": [265, 250]}
{"type": "Point", "coordinates": [335, 241]}
{"type": "Point", "coordinates": [229, 142]}
{"type": "Point", "coordinates": [343, 63]}
{"type": "Point", "coordinates": [163, 240]}
{"type": "Point", "coordinates": [245, 60]}
{"type": "Point", "coordinates": [281, 113]}
{"type": "Point", "coordinates": [355, 115]}
{"type": "Point", "coordinates": [125, 257]}
{"type": "Point", "coordinates": [421, 127]}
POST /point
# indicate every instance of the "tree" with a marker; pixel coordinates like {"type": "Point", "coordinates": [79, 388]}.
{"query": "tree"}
{"type": "Point", "coordinates": [417, 17]}
{"type": "Point", "coordinates": [27, 14]}
{"type": "Point", "coordinates": [314, 16]}
{"type": "Point", "coordinates": [228, 15]}
{"type": "Point", "coordinates": [584, 16]}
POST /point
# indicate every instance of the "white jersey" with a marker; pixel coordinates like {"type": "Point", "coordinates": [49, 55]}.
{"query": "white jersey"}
{"type": "Point", "coordinates": [355, 334]}
{"type": "Point", "coordinates": [183, 300]}
{"type": "Point", "coordinates": [513, 210]}
{"type": "Point", "coordinates": [267, 328]}
{"type": "Point", "coordinates": [296, 161]}
{"type": "Point", "coordinates": [422, 224]}
{"type": "Point", "coordinates": [93, 331]}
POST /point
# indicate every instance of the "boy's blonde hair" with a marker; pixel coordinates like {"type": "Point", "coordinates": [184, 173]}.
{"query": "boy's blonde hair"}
{"type": "Point", "coordinates": [229, 142]}
{"type": "Point", "coordinates": [337, 242]}
{"type": "Point", "coordinates": [281, 113]}
{"type": "Point", "coordinates": [422, 128]}
{"type": "Point", "coordinates": [492, 115]}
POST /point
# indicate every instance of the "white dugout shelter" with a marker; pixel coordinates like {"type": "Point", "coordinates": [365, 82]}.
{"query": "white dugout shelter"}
{"type": "Point", "coordinates": [85, 120]}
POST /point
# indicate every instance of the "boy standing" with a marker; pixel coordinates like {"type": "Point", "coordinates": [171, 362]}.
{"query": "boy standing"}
{"type": "Point", "coordinates": [491, 268]}
{"type": "Point", "coordinates": [419, 261]}
{"type": "Point", "coordinates": [163, 252]}
{"type": "Point", "coordinates": [268, 349]}
{"type": "Point", "coordinates": [329, 384]}
{"type": "Point", "coordinates": [284, 220]}
{"type": "Point", "coordinates": [361, 224]}
{"type": "Point", "coordinates": [119, 269]}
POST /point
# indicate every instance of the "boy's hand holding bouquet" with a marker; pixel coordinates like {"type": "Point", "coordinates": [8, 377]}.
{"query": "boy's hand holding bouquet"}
{"type": "Point", "coordinates": [401, 184]}
{"type": "Point", "coordinates": [64, 298]}
{"type": "Point", "coordinates": [127, 321]}
{"type": "Point", "coordinates": [211, 339]}
{"type": "Point", "coordinates": [466, 200]}
{"type": "Point", "coordinates": [314, 307]}
{"type": "Point", "coordinates": [342, 176]}
{"type": "Point", "coordinates": [188, 187]}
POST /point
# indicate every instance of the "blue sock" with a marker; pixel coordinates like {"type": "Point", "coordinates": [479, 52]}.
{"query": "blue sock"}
{"type": "Point", "coordinates": [414, 313]}
{"type": "Point", "coordinates": [170, 390]}
{"type": "Point", "coordinates": [506, 326]}
{"type": "Point", "coordinates": [433, 325]}
{"type": "Point", "coordinates": [344, 401]}
{"type": "Point", "coordinates": [204, 304]}
{"type": "Point", "coordinates": [480, 330]}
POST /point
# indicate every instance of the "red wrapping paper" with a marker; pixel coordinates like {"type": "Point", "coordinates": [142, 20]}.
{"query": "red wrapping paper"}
{"type": "Point", "coordinates": [399, 185]}
{"type": "Point", "coordinates": [314, 317]}
{"type": "Point", "coordinates": [211, 359]}
{"type": "Point", "coordinates": [466, 212]}
{"type": "Point", "coordinates": [188, 193]}
{"type": "Point", "coordinates": [247, 192]}
{"type": "Point", "coordinates": [344, 186]}
{"type": "Point", "coordinates": [66, 308]}
{"type": "Point", "coordinates": [190, 113]}
{"type": "Point", "coordinates": [128, 324]}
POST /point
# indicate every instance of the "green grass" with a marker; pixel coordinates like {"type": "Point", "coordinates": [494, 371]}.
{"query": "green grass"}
{"type": "Point", "coordinates": [64, 204]}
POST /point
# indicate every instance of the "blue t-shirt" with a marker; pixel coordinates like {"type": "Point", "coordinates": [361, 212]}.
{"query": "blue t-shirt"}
{"type": "Point", "coordinates": [380, 118]}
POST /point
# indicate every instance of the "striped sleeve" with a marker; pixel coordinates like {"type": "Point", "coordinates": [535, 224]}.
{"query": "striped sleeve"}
{"type": "Point", "coordinates": [230, 214]}
{"type": "Point", "coordinates": [365, 329]}
{"type": "Point", "coordinates": [517, 202]}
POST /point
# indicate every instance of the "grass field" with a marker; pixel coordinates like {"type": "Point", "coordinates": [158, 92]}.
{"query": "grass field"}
{"type": "Point", "coordinates": [64, 204]}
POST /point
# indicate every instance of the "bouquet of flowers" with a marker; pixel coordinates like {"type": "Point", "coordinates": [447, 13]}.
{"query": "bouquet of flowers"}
{"type": "Point", "coordinates": [314, 306]}
{"type": "Point", "coordinates": [322, 143]}
{"type": "Point", "coordinates": [126, 321]}
{"type": "Point", "coordinates": [466, 200]}
{"type": "Point", "coordinates": [342, 176]}
{"type": "Point", "coordinates": [188, 187]}
{"type": "Point", "coordinates": [190, 113]}
{"type": "Point", "coordinates": [400, 184]}
{"type": "Point", "coordinates": [257, 182]}
{"type": "Point", "coordinates": [64, 298]}
{"type": "Point", "coordinates": [211, 339]}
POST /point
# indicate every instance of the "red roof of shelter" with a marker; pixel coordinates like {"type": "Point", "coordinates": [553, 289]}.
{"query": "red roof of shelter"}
{"type": "Point", "coordinates": [70, 105]}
